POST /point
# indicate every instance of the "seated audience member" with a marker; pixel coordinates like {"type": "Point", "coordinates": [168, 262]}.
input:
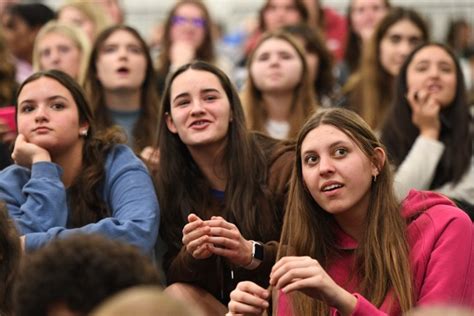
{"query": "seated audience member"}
{"type": "Point", "coordinates": [274, 15]}
{"type": "Point", "coordinates": [221, 187]}
{"type": "Point", "coordinates": [120, 83]}
{"type": "Point", "coordinates": [72, 276]}
{"type": "Point", "coordinates": [144, 301]}
{"type": "Point", "coordinates": [348, 247]}
{"type": "Point", "coordinates": [86, 15]}
{"type": "Point", "coordinates": [362, 18]}
{"type": "Point", "coordinates": [10, 252]}
{"type": "Point", "coordinates": [63, 47]}
{"type": "Point", "coordinates": [440, 311]}
{"type": "Point", "coordinates": [278, 96]}
{"type": "Point", "coordinates": [427, 134]}
{"type": "Point", "coordinates": [21, 23]}
{"type": "Point", "coordinates": [68, 179]}
{"type": "Point", "coordinates": [319, 61]}
{"type": "Point", "coordinates": [187, 36]}
{"type": "Point", "coordinates": [8, 84]}
{"type": "Point", "coordinates": [370, 90]}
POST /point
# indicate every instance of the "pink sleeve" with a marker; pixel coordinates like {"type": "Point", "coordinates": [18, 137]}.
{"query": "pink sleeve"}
{"type": "Point", "coordinates": [449, 275]}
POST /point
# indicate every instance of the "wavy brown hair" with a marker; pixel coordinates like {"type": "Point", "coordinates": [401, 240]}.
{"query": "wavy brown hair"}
{"type": "Point", "coordinates": [182, 187]}
{"type": "Point", "coordinates": [371, 88]}
{"type": "Point", "coordinates": [84, 194]}
{"type": "Point", "coordinates": [10, 254]}
{"type": "Point", "coordinates": [303, 104]}
{"type": "Point", "coordinates": [382, 258]}
{"type": "Point", "coordinates": [144, 131]}
{"type": "Point", "coordinates": [204, 52]}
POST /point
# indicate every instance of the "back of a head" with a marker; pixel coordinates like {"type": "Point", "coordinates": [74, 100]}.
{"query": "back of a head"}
{"type": "Point", "coordinates": [79, 272]}
{"type": "Point", "coordinates": [144, 301]}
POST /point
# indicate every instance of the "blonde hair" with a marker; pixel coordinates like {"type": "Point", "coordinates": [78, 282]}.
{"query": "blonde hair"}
{"type": "Point", "coordinates": [95, 13]}
{"type": "Point", "coordinates": [304, 103]}
{"type": "Point", "coordinates": [146, 301]}
{"type": "Point", "coordinates": [75, 34]}
{"type": "Point", "coordinates": [382, 258]}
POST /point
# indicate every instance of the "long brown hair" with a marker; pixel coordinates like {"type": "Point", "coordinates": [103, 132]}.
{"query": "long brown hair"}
{"type": "Point", "coordinates": [246, 173]}
{"type": "Point", "coordinates": [10, 254]}
{"type": "Point", "coordinates": [382, 259]}
{"type": "Point", "coordinates": [145, 128]}
{"type": "Point", "coordinates": [303, 104]}
{"type": "Point", "coordinates": [204, 52]}
{"type": "Point", "coordinates": [84, 194]}
{"type": "Point", "coordinates": [372, 87]}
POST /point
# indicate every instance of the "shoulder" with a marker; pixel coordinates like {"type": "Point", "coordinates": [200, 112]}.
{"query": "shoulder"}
{"type": "Point", "coordinates": [432, 216]}
{"type": "Point", "coordinates": [121, 155]}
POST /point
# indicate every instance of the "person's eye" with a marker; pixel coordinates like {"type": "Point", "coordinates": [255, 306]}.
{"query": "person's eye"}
{"type": "Point", "coordinates": [395, 39]}
{"type": "Point", "coordinates": [182, 102]}
{"type": "Point", "coordinates": [263, 57]}
{"type": "Point", "coordinates": [57, 106]}
{"type": "Point", "coordinates": [421, 68]}
{"type": "Point", "coordinates": [27, 108]}
{"type": "Point", "coordinates": [340, 152]}
{"type": "Point", "coordinates": [109, 49]}
{"type": "Point", "coordinates": [286, 56]}
{"type": "Point", "coordinates": [64, 49]}
{"type": "Point", "coordinates": [135, 49]}
{"type": "Point", "coordinates": [210, 97]}
{"type": "Point", "coordinates": [311, 159]}
{"type": "Point", "coordinates": [45, 53]}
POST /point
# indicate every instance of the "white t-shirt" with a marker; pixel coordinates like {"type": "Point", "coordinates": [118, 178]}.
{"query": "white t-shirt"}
{"type": "Point", "coordinates": [277, 129]}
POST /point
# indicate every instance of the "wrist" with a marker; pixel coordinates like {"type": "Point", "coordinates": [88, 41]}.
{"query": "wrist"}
{"type": "Point", "coordinates": [346, 303]}
{"type": "Point", "coordinates": [256, 257]}
{"type": "Point", "coordinates": [430, 133]}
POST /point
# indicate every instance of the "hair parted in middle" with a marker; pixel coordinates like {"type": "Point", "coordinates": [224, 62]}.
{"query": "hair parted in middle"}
{"type": "Point", "coordinates": [303, 104]}
{"type": "Point", "coordinates": [382, 261]}
{"type": "Point", "coordinates": [145, 129]}
{"type": "Point", "coordinates": [242, 155]}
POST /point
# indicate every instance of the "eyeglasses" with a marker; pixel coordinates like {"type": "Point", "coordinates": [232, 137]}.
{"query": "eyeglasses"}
{"type": "Point", "coordinates": [181, 20]}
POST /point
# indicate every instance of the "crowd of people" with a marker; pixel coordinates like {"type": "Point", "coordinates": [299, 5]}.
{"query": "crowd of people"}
{"type": "Point", "coordinates": [329, 171]}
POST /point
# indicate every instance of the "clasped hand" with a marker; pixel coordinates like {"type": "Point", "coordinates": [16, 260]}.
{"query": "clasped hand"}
{"type": "Point", "coordinates": [216, 236]}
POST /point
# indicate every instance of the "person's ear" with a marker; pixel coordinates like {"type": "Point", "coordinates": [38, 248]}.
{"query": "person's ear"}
{"type": "Point", "coordinates": [170, 123]}
{"type": "Point", "coordinates": [378, 161]}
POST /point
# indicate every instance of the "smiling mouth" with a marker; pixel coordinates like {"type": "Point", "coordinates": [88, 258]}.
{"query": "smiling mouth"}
{"type": "Point", "coordinates": [199, 123]}
{"type": "Point", "coordinates": [331, 187]}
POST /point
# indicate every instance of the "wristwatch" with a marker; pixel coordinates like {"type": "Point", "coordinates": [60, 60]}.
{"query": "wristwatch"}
{"type": "Point", "coordinates": [257, 255]}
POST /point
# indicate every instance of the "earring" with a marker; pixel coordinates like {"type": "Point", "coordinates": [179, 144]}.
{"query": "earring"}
{"type": "Point", "coordinates": [83, 133]}
{"type": "Point", "coordinates": [374, 178]}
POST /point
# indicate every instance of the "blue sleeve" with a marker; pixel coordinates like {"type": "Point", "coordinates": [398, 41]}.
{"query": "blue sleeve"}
{"type": "Point", "coordinates": [36, 200]}
{"type": "Point", "coordinates": [130, 195]}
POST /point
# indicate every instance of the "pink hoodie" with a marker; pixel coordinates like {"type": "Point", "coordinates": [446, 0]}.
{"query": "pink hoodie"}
{"type": "Point", "coordinates": [441, 239]}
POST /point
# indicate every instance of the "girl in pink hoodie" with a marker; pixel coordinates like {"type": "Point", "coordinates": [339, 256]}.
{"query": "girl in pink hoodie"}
{"type": "Point", "coordinates": [348, 247]}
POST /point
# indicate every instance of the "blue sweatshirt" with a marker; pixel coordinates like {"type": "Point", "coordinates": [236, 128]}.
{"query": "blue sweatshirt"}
{"type": "Point", "coordinates": [37, 201]}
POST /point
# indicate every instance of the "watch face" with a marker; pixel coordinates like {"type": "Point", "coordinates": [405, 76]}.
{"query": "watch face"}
{"type": "Point", "coordinates": [258, 251]}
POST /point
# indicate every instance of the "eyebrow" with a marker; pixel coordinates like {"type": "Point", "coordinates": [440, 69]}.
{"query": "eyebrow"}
{"type": "Point", "coordinates": [184, 94]}
{"type": "Point", "coordinates": [54, 97]}
{"type": "Point", "coordinates": [332, 145]}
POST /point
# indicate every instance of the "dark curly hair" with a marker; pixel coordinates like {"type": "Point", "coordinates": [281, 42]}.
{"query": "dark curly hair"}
{"type": "Point", "coordinates": [10, 253]}
{"type": "Point", "coordinates": [79, 272]}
